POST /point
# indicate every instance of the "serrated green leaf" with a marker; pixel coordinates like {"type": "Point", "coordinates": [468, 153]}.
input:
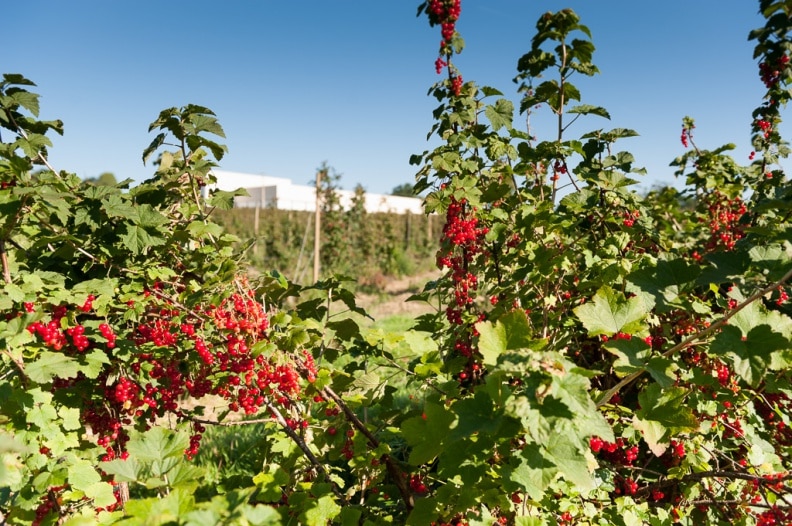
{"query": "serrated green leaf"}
{"type": "Point", "coordinates": [531, 471]}
{"type": "Point", "coordinates": [751, 354]}
{"type": "Point", "coordinates": [346, 329]}
{"type": "Point", "coordinates": [500, 114]}
{"type": "Point", "coordinates": [270, 483]}
{"type": "Point", "coordinates": [206, 123]}
{"type": "Point", "coordinates": [428, 436]}
{"type": "Point", "coordinates": [147, 216]}
{"type": "Point", "coordinates": [101, 493]}
{"type": "Point", "coordinates": [200, 228]}
{"type": "Point", "coordinates": [51, 365]}
{"type": "Point", "coordinates": [571, 461]}
{"type": "Point", "coordinates": [14, 292]}
{"type": "Point", "coordinates": [25, 99]}
{"type": "Point", "coordinates": [573, 391]}
{"type": "Point", "coordinates": [587, 109]}
{"type": "Point", "coordinates": [122, 470]}
{"type": "Point", "coordinates": [665, 282]}
{"type": "Point", "coordinates": [157, 444]}
{"type": "Point", "coordinates": [223, 200]}
{"type": "Point", "coordinates": [70, 417]}
{"type": "Point", "coordinates": [322, 511]}
{"type": "Point", "coordinates": [475, 415]}
{"type": "Point", "coordinates": [419, 342]}
{"type": "Point", "coordinates": [662, 413]}
{"type": "Point", "coordinates": [138, 240]}
{"type": "Point", "coordinates": [82, 475]}
{"type": "Point", "coordinates": [509, 333]}
{"type": "Point", "coordinates": [610, 312]}
{"type": "Point", "coordinates": [632, 354]}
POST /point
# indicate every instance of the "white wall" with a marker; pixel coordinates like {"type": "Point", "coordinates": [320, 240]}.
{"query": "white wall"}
{"type": "Point", "coordinates": [230, 181]}
{"type": "Point", "coordinates": [278, 192]}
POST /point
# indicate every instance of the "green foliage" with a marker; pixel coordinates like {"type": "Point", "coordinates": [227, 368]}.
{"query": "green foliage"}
{"type": "Point", "coordinates": [383, 244]}
{"type": "Point", "coordinates": [404, 190]}
{"type": "Point", "coordinates": [595, 358]}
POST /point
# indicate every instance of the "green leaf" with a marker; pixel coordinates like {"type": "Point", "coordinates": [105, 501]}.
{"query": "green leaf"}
{"type": "Point", "coordinates": [751, 354]}
{"type": "Point", "coordinates": [610, 312]}
{"type": "Point", "coordinates": [725, 267]}
{"type": "Point", "coordinates": [572, 390]}
{"type": "Point", "coordinates": [223, 200]}
{"type": "Point", "coordinates": [270, 483]}
{"type": "Point", "coordinates": [662, 371]}
{"type": "Point", "coordinates": [95, 362]}
{"type": "Point", "coordinates": [500, 114]}
{"type": "Point", "coordinates": [101, 493]}
{"type": "Point", "coordinates": [662, 413]}
{"type": "Point", "coordinates": [70, 417]}
{"type": "Point", "coordinates": [206, 123]}
{"type": "Point", "coordinates": [148, 216]}
{"type": "Point", "coordinates": [14, 292]}
{"type": "Point", "coordinates": [25, 99]}
{"type": "Point", "coordinates": [509, 333]}
{"type": "Point", "coordinates": [122, 470]}
{"type": "Point", "coordinates": [350, 516]}
{"type": "Point", "coordinates": [82, 475]}
{"type": "Point", "coordinates": [33, 144]}
{"type": "Point", "coordinates": [666, 282]}
{"type": "Point", "coordinates": [632, 354]}
{"type": "Point", "coordinates": [428, 435]}
{"type": "Point", "coordinates": [322, 511]}
{"type": "Point", "coordinates": [531, 471]}
{"type": "Point", "coordinates": [202, 228]}
{"type": "Point", "coordinates": [117, 206]}
{"type": "Point", "coordinates": [51, 365]}
{"type": "Point", "coordinates": [138, 240]}
{"type": "Point", "coordinates": [157, 444]}
{"type": "Point", "coordinates": [587, 109]}
{"type": "Point", "coordinates": [475, 415]}
{"type": "Point", "coordinates": [346, 329]}
{"type": "Point", "coordinates": [158, 141]}
{"type": "Point", "coordinates": [571, 461]}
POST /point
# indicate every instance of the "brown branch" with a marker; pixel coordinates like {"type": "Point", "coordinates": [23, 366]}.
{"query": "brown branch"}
{"type": "Point", "coordinates": [166, 297]}
{"type": "Point", "coordinates": [4, 258]}
{"type": "Point", "coordinates": [393, 470]}
{"type": "Point", "coordinates": [230, 423]}
{"type": "Point", "coordinates": [19, 364]}
{"type": "Point", "coordinates": [697, 336]}
{"type": "Point", "coordinates": [297, 439]}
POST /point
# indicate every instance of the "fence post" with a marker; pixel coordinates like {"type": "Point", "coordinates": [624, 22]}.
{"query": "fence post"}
{"type": "Point", "coordinates": [317, 225]}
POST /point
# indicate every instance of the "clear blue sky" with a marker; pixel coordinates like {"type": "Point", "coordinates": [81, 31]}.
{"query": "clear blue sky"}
{"type": "Point", "coordinates": [298, 83]}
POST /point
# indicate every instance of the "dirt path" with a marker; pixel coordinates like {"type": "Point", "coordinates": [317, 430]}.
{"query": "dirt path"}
{"type": "Point", "coordinates": [393, 300]}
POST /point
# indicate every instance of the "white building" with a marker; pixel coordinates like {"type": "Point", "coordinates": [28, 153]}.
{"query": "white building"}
{"type": "Point", "coordinates": [276, 192]}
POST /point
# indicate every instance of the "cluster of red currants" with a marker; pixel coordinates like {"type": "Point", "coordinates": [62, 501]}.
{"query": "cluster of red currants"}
{"type": "Point", "coordinates": [445, 13]}
{"type": "Point", "coordinates": [723, 217]}
{"type": "Point", "coordinates": [771, 73]}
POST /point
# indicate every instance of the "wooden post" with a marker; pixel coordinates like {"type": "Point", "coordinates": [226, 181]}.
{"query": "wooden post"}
{"type": "Point", "coordinates": [407, 233]}
{"type": "Point", "coordinates": [317, 224]}
{"type": "Point", "coordinates": [256, 228]}
{"type": "Point", "coordinates": [429, 237]}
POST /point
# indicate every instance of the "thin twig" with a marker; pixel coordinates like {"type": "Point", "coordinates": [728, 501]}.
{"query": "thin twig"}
{"type": "Point", "coordinates": [19, 364]}
{"type": "Point", "coordinates": [25, 136]}
{"type": "Point", "coordinates": [297, 439]}
{"type": "Point", "coordinates": [394, 470]}
{"type": "Point", "coordinates": [230, 423]}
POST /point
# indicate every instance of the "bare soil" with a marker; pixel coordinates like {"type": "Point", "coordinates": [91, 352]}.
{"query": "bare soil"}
{"type": "Point", "coordinates": [392, 299]}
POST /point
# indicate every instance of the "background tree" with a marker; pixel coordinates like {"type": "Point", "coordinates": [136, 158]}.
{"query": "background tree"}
{"type": "Point", "coordinates": [104, 179]}
{"type": "Point", "coordinates": [404, 190]}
